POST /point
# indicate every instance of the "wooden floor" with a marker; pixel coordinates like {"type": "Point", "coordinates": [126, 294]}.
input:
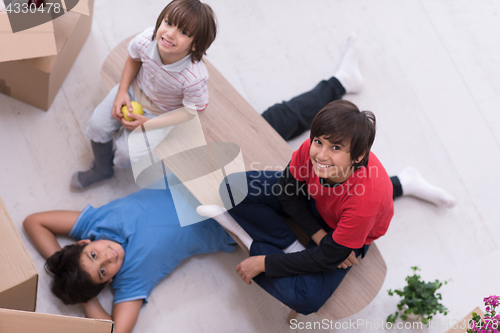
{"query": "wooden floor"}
{"type": "Point", "coordinates": [432, 77]}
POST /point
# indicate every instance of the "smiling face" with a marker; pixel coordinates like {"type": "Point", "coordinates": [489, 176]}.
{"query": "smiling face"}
{"type": "Point", "coordinates": [331, 161]}
{"type": "Point", "coordinates": [173, 43]}
{"type": "Point", "coordinates": [102, 259]}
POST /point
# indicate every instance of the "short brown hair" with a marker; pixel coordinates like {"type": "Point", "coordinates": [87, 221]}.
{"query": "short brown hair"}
{"type": "Point", "coordinates": [342, 121]}
{"type": "Point", "coordinates": [71, 284]}
{"type": "Point", "coordinates": [196, 19]}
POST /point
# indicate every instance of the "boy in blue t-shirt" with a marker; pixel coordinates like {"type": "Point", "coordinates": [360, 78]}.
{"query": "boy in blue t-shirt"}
{"type": "Point", "coordinates": [132, 243]}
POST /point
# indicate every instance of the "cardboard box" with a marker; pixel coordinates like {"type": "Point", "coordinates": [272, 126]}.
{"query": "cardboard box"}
{"type": "Point", "coordinates": [18, 276]}
{"type": "Point", "coordinates": [37, 81]}
{"type": "Point", "coordinates": [82, 7]}
{"type": "Point", "coordinates": [464, 322]}
{"type": "Point", "coordinates": [38, 41]}
{"type": "Point", "coordinates": [29, 322]}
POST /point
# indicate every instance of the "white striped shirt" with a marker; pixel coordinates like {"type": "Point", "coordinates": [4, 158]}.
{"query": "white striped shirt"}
{"type": "Point", "coordinates": [173, 86]}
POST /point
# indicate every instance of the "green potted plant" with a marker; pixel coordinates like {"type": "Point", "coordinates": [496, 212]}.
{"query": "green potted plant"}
{"type": "Point", "coordinates": [419, 299]}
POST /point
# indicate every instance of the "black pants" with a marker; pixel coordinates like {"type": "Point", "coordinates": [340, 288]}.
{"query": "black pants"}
{"type": "Point", "coordinates": [259, 214]}
{"type": "Point", "coordinates": [292, 118]}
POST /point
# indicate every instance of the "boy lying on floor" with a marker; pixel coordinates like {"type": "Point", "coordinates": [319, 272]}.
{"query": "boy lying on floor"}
{"type": "Point", "coordinates": [132, 243]}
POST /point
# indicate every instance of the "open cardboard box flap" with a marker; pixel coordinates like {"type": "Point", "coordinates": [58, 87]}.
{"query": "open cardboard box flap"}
{"type": "Point", "coordinates": [18, 276]}
{"type": "Point", "coordinates": [5, 27]}
{"type": "Point", "coordinates": [38, 41]}
{"type": "Point", "coordinates": [12, 321]}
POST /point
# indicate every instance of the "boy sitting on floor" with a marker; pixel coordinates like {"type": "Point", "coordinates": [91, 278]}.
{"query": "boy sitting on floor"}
{"type": "Point", "coordinates": [165, 73]}
{"type": "Point", "coordinates": [336, 190]}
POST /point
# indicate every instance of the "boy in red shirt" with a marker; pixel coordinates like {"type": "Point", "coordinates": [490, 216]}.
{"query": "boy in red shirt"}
{"type": "Point", "coordinates": [336, 190]}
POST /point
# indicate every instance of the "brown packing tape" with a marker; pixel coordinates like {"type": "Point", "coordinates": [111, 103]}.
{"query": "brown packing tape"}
{"type": "Point", "coordinates": [29, 322]}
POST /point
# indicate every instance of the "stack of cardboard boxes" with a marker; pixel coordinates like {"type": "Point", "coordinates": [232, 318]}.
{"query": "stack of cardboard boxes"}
{"type": "Point", "coordinates": [35, 62]}
{"type": "Point", "coordinates": [18, 291]}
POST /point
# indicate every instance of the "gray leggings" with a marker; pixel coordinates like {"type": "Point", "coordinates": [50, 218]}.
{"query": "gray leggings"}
{"type": "Point", "coordinates": [102, 126]}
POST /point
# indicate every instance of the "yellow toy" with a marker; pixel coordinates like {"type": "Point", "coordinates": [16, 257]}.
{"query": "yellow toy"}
{"type": "Point", "coordinates": [136, 109]}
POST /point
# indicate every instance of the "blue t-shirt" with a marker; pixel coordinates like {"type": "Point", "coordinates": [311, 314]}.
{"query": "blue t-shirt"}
{"type": "Point", "coordinates": [145, 224]}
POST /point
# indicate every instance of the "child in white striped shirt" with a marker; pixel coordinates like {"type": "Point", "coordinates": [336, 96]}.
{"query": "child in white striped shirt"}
{"type": "Point", "coordinates": [164, 73]}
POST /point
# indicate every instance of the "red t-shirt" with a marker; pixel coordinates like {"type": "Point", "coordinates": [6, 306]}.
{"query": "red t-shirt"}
{"type": "Point", "coordinates": [360, 209]}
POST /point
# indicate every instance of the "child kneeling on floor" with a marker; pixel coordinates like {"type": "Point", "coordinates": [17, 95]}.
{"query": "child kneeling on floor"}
{"type": "Point", "coordinates": [164, 72]}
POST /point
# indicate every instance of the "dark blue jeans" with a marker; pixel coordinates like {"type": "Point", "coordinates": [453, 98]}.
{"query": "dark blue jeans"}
{"type": "Point", "coordinates": [260, 212]}
{"type": "Point", "coordinates": [260, 215]}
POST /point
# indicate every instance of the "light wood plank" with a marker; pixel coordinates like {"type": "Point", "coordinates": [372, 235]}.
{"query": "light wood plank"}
{"type": "Point", "coordinates": [229, 118]}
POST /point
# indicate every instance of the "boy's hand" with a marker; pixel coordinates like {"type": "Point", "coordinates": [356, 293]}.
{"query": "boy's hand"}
{"type": "Point", "coordinates": [251, 267]}
{"type": "Point", "coordinates": [318, 236]}
{"type": "Point", "coordinates": [122, 98]}
{"type": "Point", "coordinates": [93, 309]}
{"type": "Point", "coordinates": [132, 125]}
{"type": "Point", "coordinates": [351, 260]}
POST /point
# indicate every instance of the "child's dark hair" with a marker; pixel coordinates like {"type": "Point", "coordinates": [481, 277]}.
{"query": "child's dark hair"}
{"type": "Point", "coordinates": [341, 121]}
{"type": "Point", "coordinates": [195, 19]}
{"type": "Point", "coordinates": [71, 284]}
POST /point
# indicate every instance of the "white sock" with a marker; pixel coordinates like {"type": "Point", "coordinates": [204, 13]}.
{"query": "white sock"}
{"type": "Point", "coordinates": [295, 247]}
{"type": "Point", "coordinates": [222, 216]}
{"type": "Point", "coordinates": [413, 184]}
{"type": "Point", "coordinates": [348, 73]}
